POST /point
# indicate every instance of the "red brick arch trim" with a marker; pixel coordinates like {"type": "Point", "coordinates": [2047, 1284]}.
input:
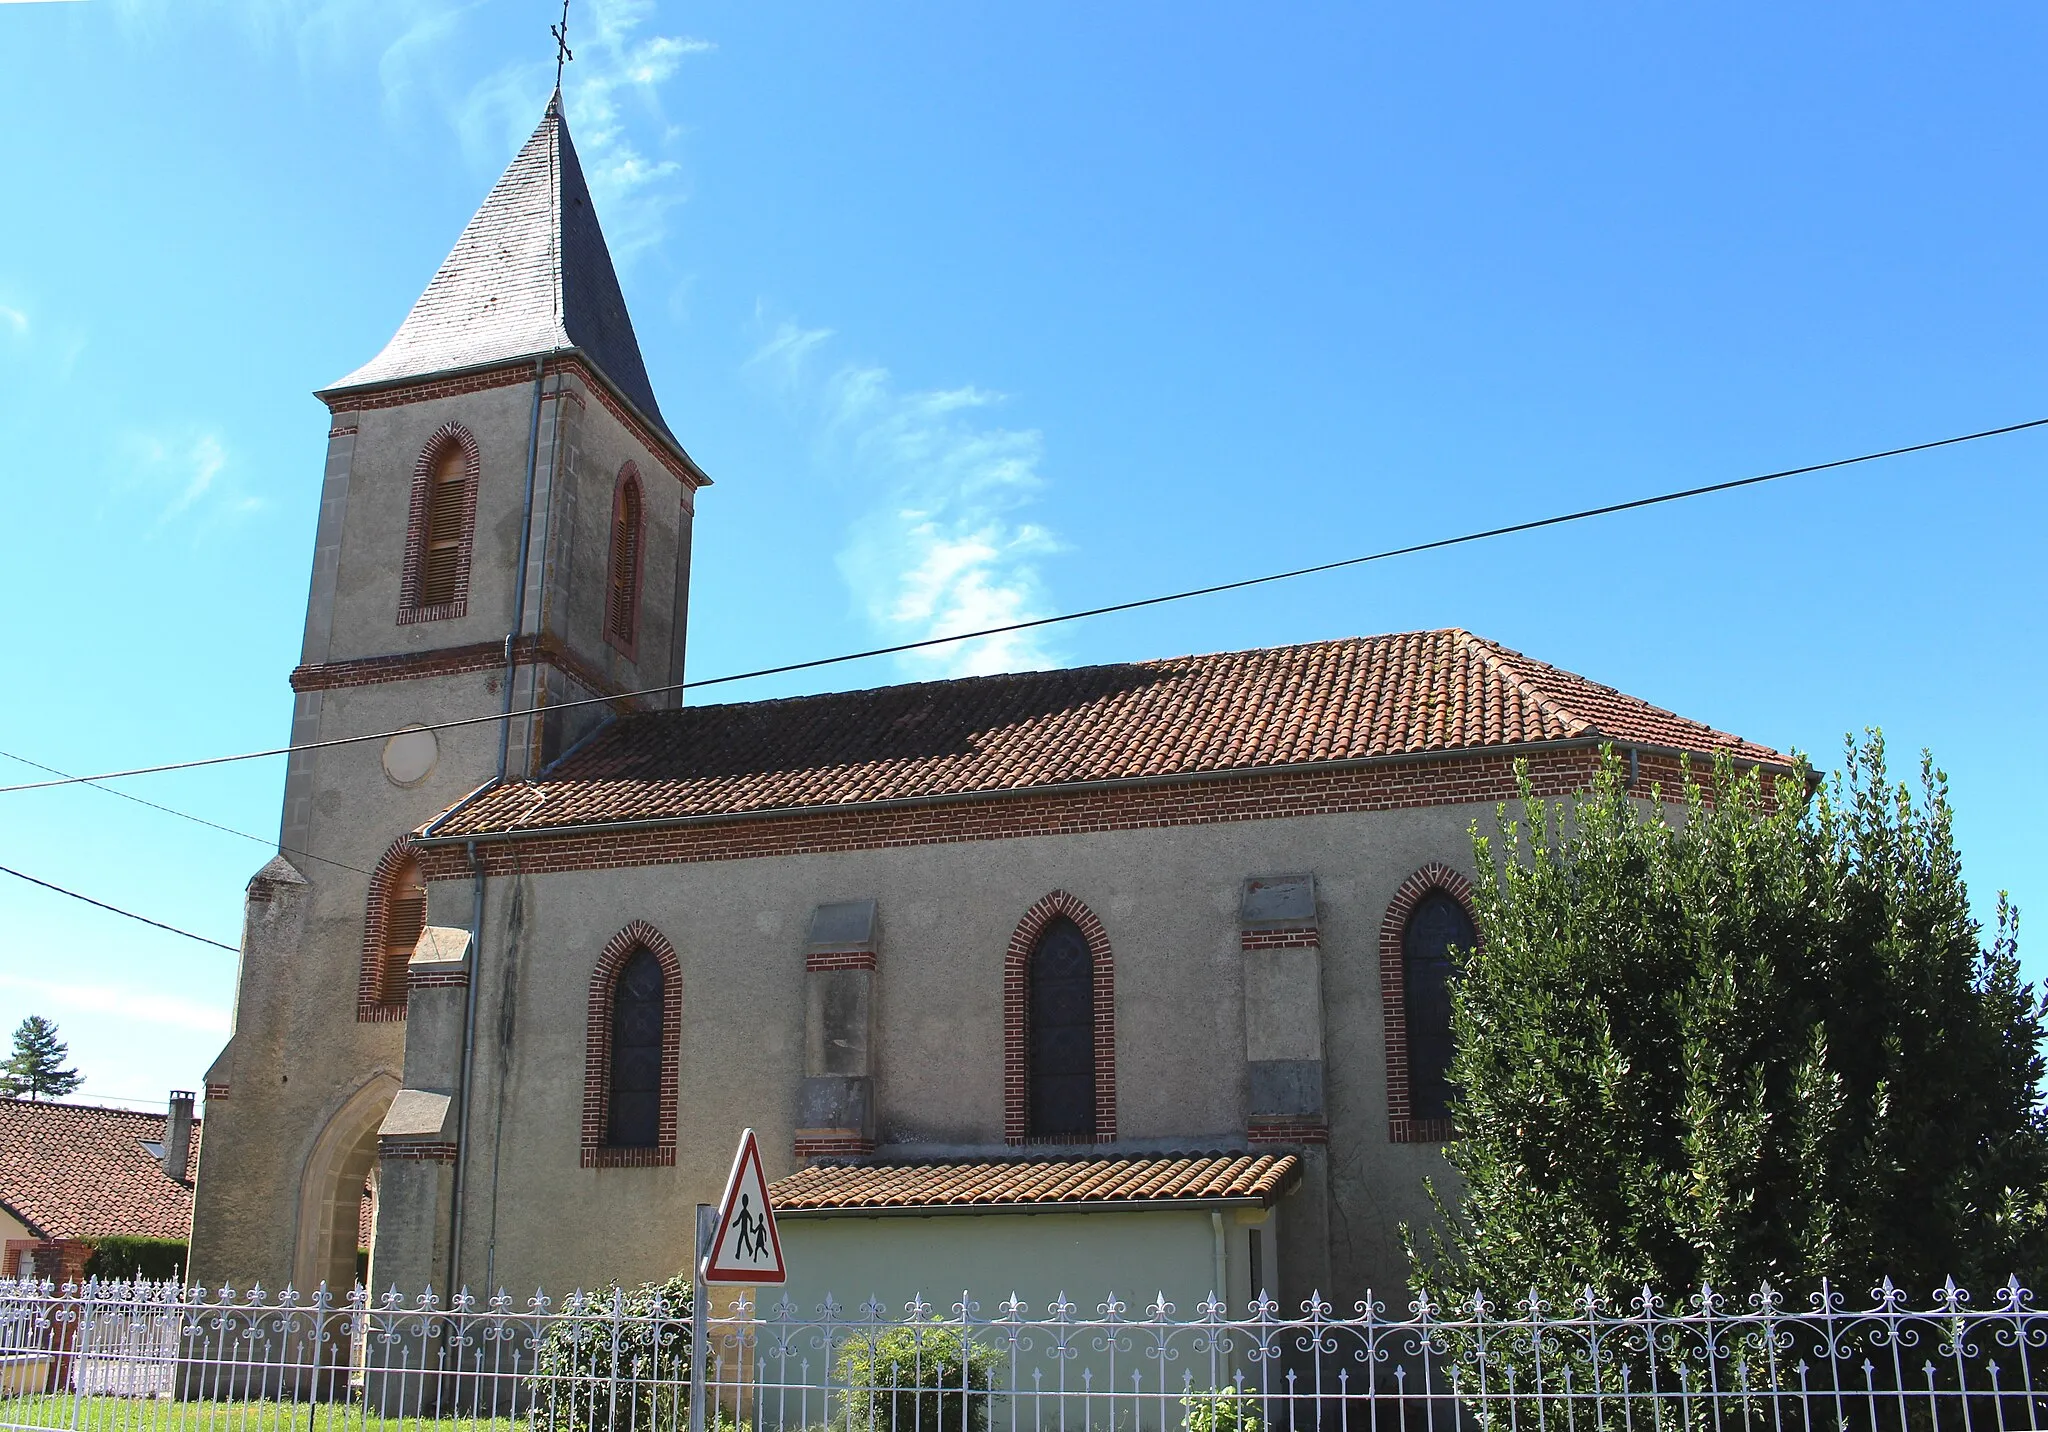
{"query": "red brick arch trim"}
{"type": "Point", "coordinates": [409, 608]}
{"type": "Point", "coordinates": [597, 1058]}
{"type": "Point", "coordinates": [1402, 1126]}
{"type": "Point", "coordinates": [380, 991]}
{"type": "Point", "coordinates": [1016, 976]}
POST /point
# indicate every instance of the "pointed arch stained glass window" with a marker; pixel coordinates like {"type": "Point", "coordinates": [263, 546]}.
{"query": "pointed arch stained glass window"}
{"type": "Point", "coordinates": [1438, 926]}
{"type": "Point", "coordinates": [1061, 1034]}
{"type": "Point", "coordinates": [635, 1103]}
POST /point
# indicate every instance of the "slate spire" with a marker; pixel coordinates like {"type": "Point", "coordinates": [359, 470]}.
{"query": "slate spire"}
{"type": "Point", "coordinates": [530, 275]}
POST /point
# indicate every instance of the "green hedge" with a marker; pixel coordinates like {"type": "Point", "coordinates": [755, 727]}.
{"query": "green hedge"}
{"type": "Point", "coordinates": [122, 1257]}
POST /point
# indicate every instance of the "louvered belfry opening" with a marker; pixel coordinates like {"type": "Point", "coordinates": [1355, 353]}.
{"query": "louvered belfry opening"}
{"type": "Point", "coordinates": [635, 1105]}
{"type": "Point", "coordinates": [1438, 926]}
{"type": "Point", "coordinates": [1060, 1033]}
{"type": "Point", "coordinates": [441, 557]}
{"type": "Point", "coordinates": [622, 607]}
{"type": "Point", "coordinates": [405, 919]}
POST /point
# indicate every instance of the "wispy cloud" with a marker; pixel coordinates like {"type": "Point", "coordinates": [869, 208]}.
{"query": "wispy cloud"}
{"type": "Point", "coordinates": [612, 92]}
{"type": "Point", "coordinates": [946, 548]}
{"type": "Point", "coordinates": [182, 477]}
{"type": "Point", "coordinates": [137, 1006]}
{"type": "Point", "coordinates": [40, 346]}
{"type": "Point", "coordinates": [421, 50]}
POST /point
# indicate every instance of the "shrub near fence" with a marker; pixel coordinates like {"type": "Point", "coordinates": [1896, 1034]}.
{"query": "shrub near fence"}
{"type": "Point", "coordinates": [154, 1357]}
{"type": "Point", "coordinates": [914, 1375]}
{"type": "Point", "coordinates": [617, 1360]}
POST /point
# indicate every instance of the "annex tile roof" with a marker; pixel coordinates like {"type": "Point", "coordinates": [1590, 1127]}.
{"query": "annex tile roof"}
{"type": "Point", "coordinates": [1017, 1183]}
{"type": "Point", "coordinates": [1362, 697]}
{"type": "Point", "coordinates": [81, 1171]}
{"type": "Point", "coordinates": [530, 275]}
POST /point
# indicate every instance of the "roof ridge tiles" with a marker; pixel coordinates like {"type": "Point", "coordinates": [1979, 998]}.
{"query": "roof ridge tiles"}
{"type": "Point", "coordinates": [1508, 660]}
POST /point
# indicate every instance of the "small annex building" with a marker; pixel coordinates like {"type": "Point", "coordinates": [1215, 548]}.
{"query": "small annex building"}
{"type": "Point", "coordinates": [1139, 1228]}
{"type": "Point", "coordinates": [1122, 979]}
{"type": "Point", "coordinates": [74, 1173]}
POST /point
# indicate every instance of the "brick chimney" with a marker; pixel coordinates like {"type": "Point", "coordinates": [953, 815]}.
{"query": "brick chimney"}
{"type": "Point", "coordinates": [178, 1136]}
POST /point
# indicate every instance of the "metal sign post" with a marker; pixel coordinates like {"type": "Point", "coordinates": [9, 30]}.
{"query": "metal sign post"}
{"type": "Point", "coordinates": [737, 1243]}
{"type": "Point", "coordinates": [707, 1225]}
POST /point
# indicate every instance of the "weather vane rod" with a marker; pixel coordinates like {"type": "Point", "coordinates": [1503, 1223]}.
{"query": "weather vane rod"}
{"type": "Point", "coordinates": [563, 54]}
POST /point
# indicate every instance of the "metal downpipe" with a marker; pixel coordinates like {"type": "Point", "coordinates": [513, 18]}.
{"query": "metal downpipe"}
{"type": "Point", "coordinates": [519, 577]}
{"type": "Point", "coordinates": [476, 936]}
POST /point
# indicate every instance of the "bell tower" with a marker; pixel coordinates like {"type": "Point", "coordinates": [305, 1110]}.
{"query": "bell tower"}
{"type": "Point", "coordinates": [504, 529]}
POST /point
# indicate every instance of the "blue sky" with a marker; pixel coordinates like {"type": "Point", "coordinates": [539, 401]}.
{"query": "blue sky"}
{"type": "Point", "coordinates": [978, 311]}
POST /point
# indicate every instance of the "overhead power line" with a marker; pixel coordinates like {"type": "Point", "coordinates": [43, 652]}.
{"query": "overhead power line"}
{"type": "Point", "coordinates": [1410, 550]}
{"type": "Point", "coordinates": [117, 910]}
{"type": "Point", "coordinates": [187, 815]}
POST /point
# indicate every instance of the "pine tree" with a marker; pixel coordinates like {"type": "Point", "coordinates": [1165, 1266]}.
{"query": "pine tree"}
{"type": "Point", "coordinates": [36, 1065]}
{"type": "Point", "coordinates": [1766, 1041]}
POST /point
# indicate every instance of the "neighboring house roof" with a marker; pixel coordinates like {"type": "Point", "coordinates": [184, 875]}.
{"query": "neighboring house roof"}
{"type": "Point", "coordinates": [1413, 693]}
{"type": "Point", "coordinates": [530, 275]}
{"type": "Point", "coordinates": [996, 1184]}
{"type": "Point", "coordinates": [81, 1171]}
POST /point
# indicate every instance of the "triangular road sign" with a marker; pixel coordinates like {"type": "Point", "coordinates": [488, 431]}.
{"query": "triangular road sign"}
{"type": "Point", "coordinates": [747, 1249]}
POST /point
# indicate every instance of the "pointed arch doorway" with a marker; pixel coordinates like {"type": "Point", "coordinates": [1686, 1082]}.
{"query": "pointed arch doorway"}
{"type": "Point", "coordinates": [338, 1166]}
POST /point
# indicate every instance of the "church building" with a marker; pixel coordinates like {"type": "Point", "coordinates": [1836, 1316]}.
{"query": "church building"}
{"type": "Point", "coordinates": [1116, 980]}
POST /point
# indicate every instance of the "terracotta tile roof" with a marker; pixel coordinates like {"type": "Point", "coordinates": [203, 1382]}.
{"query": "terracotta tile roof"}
{"type": "Point", "coordinates": [1362, 697]}
{"type": "Point", "coordinates": [1006, 1183]}
{"type": "Point", "coordinates": [80, 1171]}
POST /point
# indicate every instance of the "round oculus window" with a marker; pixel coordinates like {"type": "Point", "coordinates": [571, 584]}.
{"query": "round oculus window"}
{"type": "Point", "coordinates": [409, 756]}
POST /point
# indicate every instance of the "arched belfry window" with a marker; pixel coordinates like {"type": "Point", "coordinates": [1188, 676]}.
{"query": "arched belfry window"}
{"type": "Point", "coordinates": [633, 1060]}
{"type": "Point", "coordinates": [622, 596]}
{"type": "Point", "coordinates": [442, 561]}
{"type": "Point", "coordinates": [392, 924]}
{"type": "Point", "coordinates": [1428, 927]}
{"type": "Point", "coordinates": [1061, 1030]}
{"type": "Point", "coordinates": [635, 1112]}
{"type": "Point", "coordinates": [441, 528]}
{"type": "Point", "coordinates": [1437, 928]}
{"type": "Point", "coordinates": [1059, 1026]}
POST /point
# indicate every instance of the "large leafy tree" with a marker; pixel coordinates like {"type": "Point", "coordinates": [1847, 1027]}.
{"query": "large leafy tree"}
{"type": "Point", "coordinates": [1761, 1038]}
{"type": "Point", "coordinates": [36, 1067]}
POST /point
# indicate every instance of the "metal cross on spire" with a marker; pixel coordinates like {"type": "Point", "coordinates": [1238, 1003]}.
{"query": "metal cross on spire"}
{"type": "Point", "coordinates": [563, 54]}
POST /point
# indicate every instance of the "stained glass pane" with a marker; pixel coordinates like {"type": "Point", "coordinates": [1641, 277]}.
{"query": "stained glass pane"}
{"type": "Point", "coordinates": [636, 1054]}
{"type": "Point", "coordinates": [1062, 1034]}
{"type": "Point", "coordinates": [1438, 926]}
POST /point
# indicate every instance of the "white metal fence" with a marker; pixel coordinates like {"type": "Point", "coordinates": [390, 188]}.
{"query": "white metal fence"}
{"type": "Point", "coordinates": [141, 1357]}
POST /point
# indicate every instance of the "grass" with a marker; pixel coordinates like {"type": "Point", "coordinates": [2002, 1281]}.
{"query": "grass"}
{"type": "Point", "coordinates": [140, 1414]}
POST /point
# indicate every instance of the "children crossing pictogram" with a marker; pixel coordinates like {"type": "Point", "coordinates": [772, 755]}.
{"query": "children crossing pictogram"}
{"type": "Point", "coordinates": [746, 1248]}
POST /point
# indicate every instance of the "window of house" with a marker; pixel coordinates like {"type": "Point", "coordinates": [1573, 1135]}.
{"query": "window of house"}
{"type": "Point", "coordinates": [1060, 1027]}
{"type": "Point", "coordinates": [405, 919]}
{"type": "Point", "coordinates": [622, 606]}
{"type": "Point", "coordinates": [1438, 925]}
{"type": "Point", "coordinates": [635, 1105]}
{"type": "Point", "coordinates": [447, 514]}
